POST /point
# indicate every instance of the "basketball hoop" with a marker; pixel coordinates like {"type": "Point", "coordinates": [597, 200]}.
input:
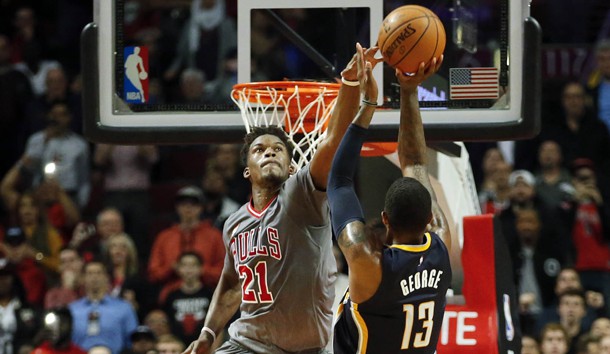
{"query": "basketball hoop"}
{"type": "Point", "coordinates": [378, 149]}
{"type": "Point", "coordinates": [301, 108]}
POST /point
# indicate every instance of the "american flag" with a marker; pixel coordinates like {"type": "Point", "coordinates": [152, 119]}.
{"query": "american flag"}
{"type": "Point", "coordinates": [473, 83]}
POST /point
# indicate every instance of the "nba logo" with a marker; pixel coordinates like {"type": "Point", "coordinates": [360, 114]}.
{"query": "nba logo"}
{"type": "Point", "coordinates": [135, 81]}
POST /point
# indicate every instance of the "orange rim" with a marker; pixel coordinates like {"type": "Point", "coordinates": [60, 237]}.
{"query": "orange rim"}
{"type": "Point", "coordinates": [378, 149]}
{"type": "Point", "coordinates": [308, 90]}
{"type": "Point", "coordinates": [270, 92]}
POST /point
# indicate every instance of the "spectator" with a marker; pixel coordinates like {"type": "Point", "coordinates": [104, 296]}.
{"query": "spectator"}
{"type": "Point", "coordinates": [35, 67]}
{"type": "Point", "coordinates": [61, 211]}
{"type": "Point", "coordinates": [26, 33]}
{"type": "Point", "coordinates": [205, 40]}
{"type": "Point", "coordinates": [56, 333]}
{"type": "Point", "coordinates": [554, 339]}
{"type": "Point", "coordinates": [91, 240]}
{"type": "Point", "coordinates": [56, 90]}
{"type": "Point", "coordinates": [19, 322]}
{"type": "Point", "coordinates": [217, 206]}
{"type": "Point", "coordinates": [536, 267]}
{"type": "Point", "coordinates": [143, 341]}
{"type": "Point", "coordinates": [99, 318]}
{"type": "Point", "coordinates": [495, 195]}
{"type": "Point", "coordinates": [127, 171]}
{"type": "Point", "coordinates": [523, 196]}
{"type": "Point", "coordinates": [529, 345]}
{"type": "Point", "coordinates": [590, 227]}
{"type": "Point", "coordinates": [604, 344]}
{"type": "Point", "coordinates": [121, 258]}
{"type": "Point", "coordinates": [224, 158]}
{"type": "Point", "coordinates": [601, 327]}
{"type": "Point", "coordinates": [553, 181]}
{"type": "Point", "coordinates": [158, 322]}
{"type": "Point", "coordinates": [190, 234]}
{"type": "Point", "coordinates": [587, 344]}
{"type": "Point", "coordinates": [579, 133]}
{"type": "Point", "coordinates": [42, 242]}
{"type": "Point", "coordinates": [223, 85]}
{"type": "Point", "coordinates": [572, 311]}
{"type": "Point", "coordinates": [100, 349]}
{"type": "Point", "coordinates": [601, 90]}
{"type": "Point", "coordinates": [568, 278]}
{"type": "Point", "coordinates": [16, 94]}
{"type": "Point", "coordinates": [70, 286]}
{"type": "Point", "coordinates": [192, 87]}
{"type": "Point", "coordinates": [188, 305]}
{"type": "Point", "coordinates": [169, 344]}
{"type": "Point", "coordinates": [59, 152]}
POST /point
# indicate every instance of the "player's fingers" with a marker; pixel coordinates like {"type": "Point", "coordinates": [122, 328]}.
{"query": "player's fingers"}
{"type": "Point", "coordinates": [440, 62]}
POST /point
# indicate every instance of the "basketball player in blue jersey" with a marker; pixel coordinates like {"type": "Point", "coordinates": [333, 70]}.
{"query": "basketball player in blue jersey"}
{"type": "Point", "coordinates": [279, 267]}
{"type": "Point", "coordinates": [396, 297]}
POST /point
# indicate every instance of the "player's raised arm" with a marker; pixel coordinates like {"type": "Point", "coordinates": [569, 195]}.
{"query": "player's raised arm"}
{"type": "Point", "coordinates": [344, 111]}
{"type": "Point", "coordinates": [412, 151]}
{"type": "Point", "coordinates": [225, 302]}
{"type": "Point", "coordinates": [361, 253]}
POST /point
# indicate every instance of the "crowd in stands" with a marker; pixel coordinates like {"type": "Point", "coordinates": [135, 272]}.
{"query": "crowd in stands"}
{"type": "Point", "coordinates": [118, 249]}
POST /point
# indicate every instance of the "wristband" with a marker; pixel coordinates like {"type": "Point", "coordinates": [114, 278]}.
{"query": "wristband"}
{"type": "Point", "coordinates": [369, 103]}
{"type": "Point", "coordinates": [209, 330]}
{"type": "Point", "coordinates": [350, 83]}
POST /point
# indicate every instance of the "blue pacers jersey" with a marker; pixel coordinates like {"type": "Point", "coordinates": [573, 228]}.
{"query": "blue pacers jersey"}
{"type": "Point", "coordinates": [406, 313]}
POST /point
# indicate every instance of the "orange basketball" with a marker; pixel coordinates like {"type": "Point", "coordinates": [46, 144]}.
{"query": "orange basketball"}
{"type": "Point", "coordinates": [410, 35]}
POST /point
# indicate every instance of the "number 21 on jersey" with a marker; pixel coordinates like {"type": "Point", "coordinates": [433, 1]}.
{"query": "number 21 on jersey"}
{"type": "Point", "coordinates": [425, 313]}
{"type": "Point", "coordinates": [252, 279]}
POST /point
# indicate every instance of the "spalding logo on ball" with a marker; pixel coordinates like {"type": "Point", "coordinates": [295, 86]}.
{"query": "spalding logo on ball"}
{"type": "Point", "coordinates": [410, 35]}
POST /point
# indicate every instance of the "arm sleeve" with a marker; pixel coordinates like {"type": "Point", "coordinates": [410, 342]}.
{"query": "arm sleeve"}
{"type": "Point", "coordinates": [344, 204]}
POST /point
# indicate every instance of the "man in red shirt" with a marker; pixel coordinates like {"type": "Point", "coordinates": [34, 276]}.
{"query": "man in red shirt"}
{"type": "Point", "coordinates": [57, 332]}
{"type": "Point", "coordinates": [189, 235]}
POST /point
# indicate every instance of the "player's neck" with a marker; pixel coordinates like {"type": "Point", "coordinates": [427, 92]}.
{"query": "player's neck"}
{"type": "Point", "coordinates": [262, 196]}
{"type": "Point", "coordinates": [409, 239]}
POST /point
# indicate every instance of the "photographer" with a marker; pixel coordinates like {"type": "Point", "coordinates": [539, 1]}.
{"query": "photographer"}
{"type": "Point", "coordinates": [590, 227]}
{"type": "Point", "coordinates": [61, 211]}
{"type": "Point", "coordinates": [56, 334]}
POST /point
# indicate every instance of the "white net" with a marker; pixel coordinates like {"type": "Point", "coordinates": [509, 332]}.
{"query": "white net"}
{"type": "Point", "coordinates": [304, 122]}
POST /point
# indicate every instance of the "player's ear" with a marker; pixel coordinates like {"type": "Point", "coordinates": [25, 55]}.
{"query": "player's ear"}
{"type": "Point", "coordinates": [292, 169]}
{"type": "Point", "coordinates": [385, 219]}
{"type": "Point", "coordinates": [246, 172]}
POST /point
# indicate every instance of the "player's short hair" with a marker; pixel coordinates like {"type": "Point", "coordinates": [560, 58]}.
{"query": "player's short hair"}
{"type": "Point", "coordinates": [259, 131]}
{"type": "Point", "coordinates": [408, 205]}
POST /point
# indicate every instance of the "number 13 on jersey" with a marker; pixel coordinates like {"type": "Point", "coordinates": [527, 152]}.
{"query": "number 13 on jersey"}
{"type": "Point", "coordinates": [425, 313]}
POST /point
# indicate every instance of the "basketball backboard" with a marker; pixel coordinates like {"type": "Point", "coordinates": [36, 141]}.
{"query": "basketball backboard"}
{"type": "Point", "coordinates": [300, 40]}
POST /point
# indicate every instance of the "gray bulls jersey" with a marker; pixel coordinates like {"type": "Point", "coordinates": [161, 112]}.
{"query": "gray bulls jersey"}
{"type": "Point", "coordinates": [283, 255]}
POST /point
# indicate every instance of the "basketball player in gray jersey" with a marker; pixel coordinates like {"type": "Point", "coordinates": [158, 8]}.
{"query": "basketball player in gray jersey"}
{"type": "Point", "coordinates": [279, 267]}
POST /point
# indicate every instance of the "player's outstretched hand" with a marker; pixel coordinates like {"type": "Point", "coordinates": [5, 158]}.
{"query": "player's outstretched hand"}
{"type": "Point", "coordinates": [410, 82]}
{"type": "Point", "coordinates": [351, 70]}
{"type": "Point", "coordinates": [200, 346]}
{"type": "Point", "coordinates": [368, 84]}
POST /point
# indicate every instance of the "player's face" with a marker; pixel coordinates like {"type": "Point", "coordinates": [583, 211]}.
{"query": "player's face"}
{"type": "Point", "coordinates": [268, 161]}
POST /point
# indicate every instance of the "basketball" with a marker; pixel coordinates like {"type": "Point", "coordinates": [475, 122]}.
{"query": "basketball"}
{"type": "Point", "coordinates": [143, 75]}
{"type": "Point", "coordinates": [410, 35]}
